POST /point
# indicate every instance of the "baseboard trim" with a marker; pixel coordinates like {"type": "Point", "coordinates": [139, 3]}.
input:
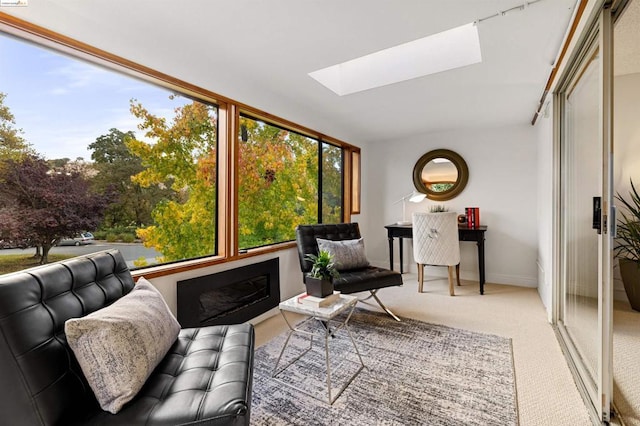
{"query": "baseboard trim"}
{"type": "Point", "coordinates": [440, 271]}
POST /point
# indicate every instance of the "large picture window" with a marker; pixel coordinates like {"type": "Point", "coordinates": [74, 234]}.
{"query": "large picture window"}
{"type": "Point", "coordinates": [105, 156]}
{"type": "Point", "coordinates": [99, 152]}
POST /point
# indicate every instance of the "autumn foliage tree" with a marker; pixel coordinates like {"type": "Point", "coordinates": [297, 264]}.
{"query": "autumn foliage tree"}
{"type": "Point", "coordinates": [46, 206]}
{"type": "Point", "coordinates": [12, 144]}
{"type": "Point", "coordinates": [277, 174]}
{"type": "Point", "coordinates": [278, 183]}
{"type": "Point", "coordinates": [181, 158]}
{"type": "Point", "coordinates": [332, 184]}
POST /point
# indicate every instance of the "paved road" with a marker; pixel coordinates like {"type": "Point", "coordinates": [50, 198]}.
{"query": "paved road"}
{"type": "Point", "coordinates": [130, 251]}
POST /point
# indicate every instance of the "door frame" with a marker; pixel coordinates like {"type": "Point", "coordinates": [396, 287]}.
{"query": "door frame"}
{"type": "Point", "coordinates": [598, 395]}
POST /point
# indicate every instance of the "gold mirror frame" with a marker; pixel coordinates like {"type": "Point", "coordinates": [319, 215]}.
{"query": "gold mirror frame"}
{"type": "Point", "coordinates": [461, 182]}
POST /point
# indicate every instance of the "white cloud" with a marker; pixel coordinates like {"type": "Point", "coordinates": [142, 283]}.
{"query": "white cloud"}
{"type": "Point", "coordinates": [58, 91]}
{"type": "Point", "coordinates": [76, 74]}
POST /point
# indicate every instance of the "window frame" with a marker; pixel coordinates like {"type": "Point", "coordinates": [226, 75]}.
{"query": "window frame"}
{"type": "Point", "coordinates": [229, 112]}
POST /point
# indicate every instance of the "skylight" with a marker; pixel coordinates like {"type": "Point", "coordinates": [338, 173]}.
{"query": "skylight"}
{"type": "Point", "coordinates": [454, 48]}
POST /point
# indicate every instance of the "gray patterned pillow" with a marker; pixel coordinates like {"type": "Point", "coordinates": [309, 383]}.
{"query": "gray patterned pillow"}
{"type": "Point", "coordinates": [347, 254]}
{"type": "Point", "coordinates": [118, 346]}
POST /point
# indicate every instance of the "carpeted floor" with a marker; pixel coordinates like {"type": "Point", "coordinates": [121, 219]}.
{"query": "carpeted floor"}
{"type": "Point", "coordinates": [626, 369]}
{"type": "Point", "coordinates": [416, 373]}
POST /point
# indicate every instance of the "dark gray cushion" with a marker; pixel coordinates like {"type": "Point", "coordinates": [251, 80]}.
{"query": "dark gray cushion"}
{"type": "Point", "coordinates": [347, 254]}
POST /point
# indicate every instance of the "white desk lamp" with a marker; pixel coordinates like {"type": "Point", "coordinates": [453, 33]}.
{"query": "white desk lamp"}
{"type": "Point", "coordinates": [414, 197]}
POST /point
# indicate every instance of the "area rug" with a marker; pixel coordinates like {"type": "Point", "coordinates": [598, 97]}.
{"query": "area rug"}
{"type": "Point", "coordinates": [416, 374]}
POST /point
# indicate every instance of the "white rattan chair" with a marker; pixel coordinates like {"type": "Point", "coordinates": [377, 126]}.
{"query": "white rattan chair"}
{"type": "Point", "coordinates": [435, 243]}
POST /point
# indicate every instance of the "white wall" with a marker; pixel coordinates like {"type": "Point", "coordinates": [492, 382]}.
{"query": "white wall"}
{"type": "Point", "coordinates": [502, 182]}
{"type": "Point", "coordinates": [626, 136]}
{"type": "Point", "coordinates": [544, 127]}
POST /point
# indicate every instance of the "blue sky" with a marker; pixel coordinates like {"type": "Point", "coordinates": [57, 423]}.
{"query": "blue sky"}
{"type": "Point", "coordinates": [63, 104]}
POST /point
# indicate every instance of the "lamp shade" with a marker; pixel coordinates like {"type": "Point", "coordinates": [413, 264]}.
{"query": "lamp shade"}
{"type": "Point", "coordinates": [416, 197]}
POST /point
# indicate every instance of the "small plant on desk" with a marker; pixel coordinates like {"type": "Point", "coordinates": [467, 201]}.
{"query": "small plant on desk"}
{"type": "Point", "coordinates": [438, 208]}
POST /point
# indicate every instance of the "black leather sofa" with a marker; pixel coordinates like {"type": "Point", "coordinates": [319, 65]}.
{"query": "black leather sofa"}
{"type": "Point", "coordinates": [205, 378]}
{"type": "Point", "coordinates": [370, 278]}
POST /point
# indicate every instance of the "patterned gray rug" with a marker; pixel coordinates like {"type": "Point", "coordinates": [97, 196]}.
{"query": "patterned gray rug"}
{"type": "Point", "coordinates": [416, 374]}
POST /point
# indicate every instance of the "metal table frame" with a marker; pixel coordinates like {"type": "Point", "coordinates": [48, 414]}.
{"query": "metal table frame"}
{"type": "Point", "coordinates": [325, 316]}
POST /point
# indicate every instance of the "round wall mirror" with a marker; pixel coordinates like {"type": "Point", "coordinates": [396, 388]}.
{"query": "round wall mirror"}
{"type": "Point", "coordinates": [441, 174]}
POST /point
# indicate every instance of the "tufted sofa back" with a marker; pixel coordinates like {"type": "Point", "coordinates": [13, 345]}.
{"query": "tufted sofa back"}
{"type": "Point", "coordinates": [306, 238]}
{"type": "Point", "coordinates": [40, 378]}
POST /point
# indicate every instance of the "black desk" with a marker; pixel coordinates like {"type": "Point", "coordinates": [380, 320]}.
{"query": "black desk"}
{"type": "Point", "coordinates": [464, 234]}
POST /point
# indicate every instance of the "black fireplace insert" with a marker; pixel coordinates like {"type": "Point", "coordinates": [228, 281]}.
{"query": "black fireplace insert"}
{"type": "Point", "coordinates": [229, 297]}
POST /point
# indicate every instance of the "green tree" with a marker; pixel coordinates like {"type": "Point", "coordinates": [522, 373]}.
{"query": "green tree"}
{"type": "Point", "coordinates": [12, 145]}
{"type": "Point", "coordinates": [59, 163]}
{"type": "Point", "coordinates": [277, 180]}
{"type": "Point", "coordinates": [331, 184]}
{"type": "Point", "coordinates": [115, 166]}
{"type": "Point", "coordinates": [182, 159]}
{"type": "Point", "coordinates": [278, 183]}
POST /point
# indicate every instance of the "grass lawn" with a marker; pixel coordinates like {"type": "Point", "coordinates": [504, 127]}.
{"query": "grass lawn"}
{"type": "Point", "coordinates": [17, 262]}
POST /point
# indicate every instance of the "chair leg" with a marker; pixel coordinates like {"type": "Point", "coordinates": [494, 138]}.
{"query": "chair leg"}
{"type": "Point", "coordinates": [458, 273]}
{"type": "Point", "coordinates": [384, 308]}
{"type": "Point", "coordinates": [450, 269]}
{"type": "Point", "coordinates": [420, 277]}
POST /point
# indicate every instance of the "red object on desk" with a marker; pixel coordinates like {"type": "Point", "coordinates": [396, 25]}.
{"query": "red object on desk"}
{"type": "Point", "coordinates": [473, 216]}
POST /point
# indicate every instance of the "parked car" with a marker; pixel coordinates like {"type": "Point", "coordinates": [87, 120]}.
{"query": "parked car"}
{"type": "Point", "coordinates": [9, 244]}
{"type": "Point", "coordinates": [80, 239]}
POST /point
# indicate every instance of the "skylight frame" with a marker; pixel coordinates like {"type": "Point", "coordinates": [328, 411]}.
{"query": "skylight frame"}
{"type": "Point", "coordinates": [446, 50]}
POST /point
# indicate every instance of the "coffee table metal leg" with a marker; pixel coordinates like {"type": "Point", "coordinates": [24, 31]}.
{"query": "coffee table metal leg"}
{"type": "Point", "coordinates": [292, 330]}
{"type": "Point", "coordinates": [328, 332]}
{"type": "Point", "coordinates": [353, 342]}
{"type": "Point", "coordinates": [345, 324]}
{"type": "Point", "coordinates": [326, 354]}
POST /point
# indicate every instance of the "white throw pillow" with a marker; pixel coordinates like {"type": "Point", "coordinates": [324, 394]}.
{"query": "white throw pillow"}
{"type": "Point", "coordinates": [347, 254]}
{"type": "Point", "coordinates": [119, 346]}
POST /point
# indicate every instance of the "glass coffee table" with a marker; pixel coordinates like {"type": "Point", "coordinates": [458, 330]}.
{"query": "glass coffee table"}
{"type": "Point", "coordinates": [326, 316]}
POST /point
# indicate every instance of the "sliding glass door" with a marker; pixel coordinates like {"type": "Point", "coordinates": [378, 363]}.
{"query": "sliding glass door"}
{"type": "Point", "coordinates": [585, 234]}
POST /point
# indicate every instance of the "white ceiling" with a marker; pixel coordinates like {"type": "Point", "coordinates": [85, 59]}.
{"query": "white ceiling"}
{"type": "Point", "coordinates": [260, 52]}
{"type": "Point", "coordinates": [626, 50]}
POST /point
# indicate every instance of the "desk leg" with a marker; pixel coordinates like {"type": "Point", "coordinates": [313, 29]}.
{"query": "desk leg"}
{"type": "Point", "coordinates": [481, 263]}
{"type": "Point", "coordinates": [391, 253]}
{"type": "Point", "coordinates": [401, 259]}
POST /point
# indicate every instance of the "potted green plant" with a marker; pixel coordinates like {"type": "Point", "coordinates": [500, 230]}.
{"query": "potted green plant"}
{"type": "Point", "coordinates": [628, 246]}
{"type": "Point", "coordinates": [438, 208]}
{"type": "Point", "coordinates": [319, 281]}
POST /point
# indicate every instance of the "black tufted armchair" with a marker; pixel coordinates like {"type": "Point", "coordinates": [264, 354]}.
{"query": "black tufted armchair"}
{"type": "Point", "coordinates": [369, 279]}
{"type": "Point", "coordinates": [204, 379]}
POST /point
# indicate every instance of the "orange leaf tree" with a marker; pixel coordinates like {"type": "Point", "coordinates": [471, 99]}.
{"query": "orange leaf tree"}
{"type": "Point", "coordinates": [278, 183]}
{"type": "Point", "coordinates": [277, 177]}
{"type": "Point", "coordinates": [181, 156]}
